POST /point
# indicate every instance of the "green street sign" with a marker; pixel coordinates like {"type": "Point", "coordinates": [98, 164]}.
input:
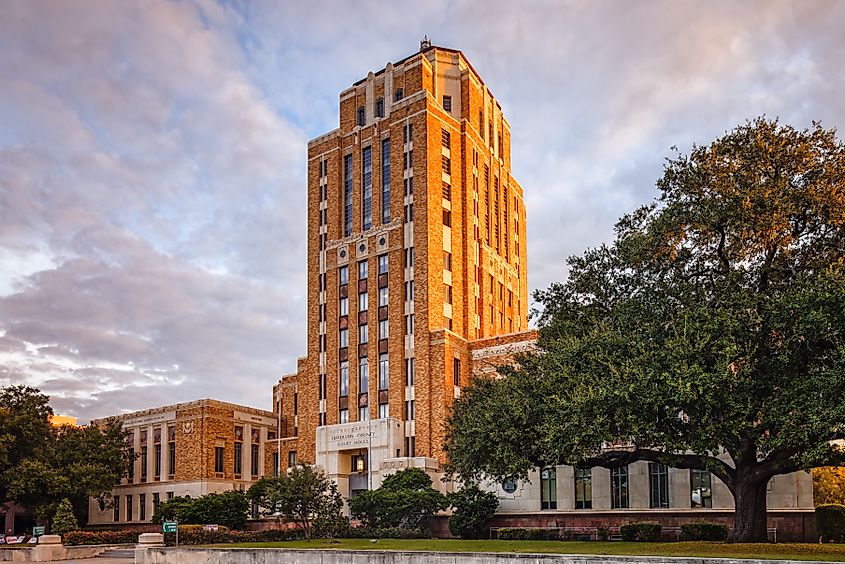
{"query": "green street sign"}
{"type": "Point", "coordinates": [38, 531]}
{"type": "Point", "coordinates": [169, 526]}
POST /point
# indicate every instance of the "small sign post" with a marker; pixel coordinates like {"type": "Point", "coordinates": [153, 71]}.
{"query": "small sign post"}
{"type": "Point", "coordinates": [171, 527]}
{"type": "Point", "coordinates": [38, 531]}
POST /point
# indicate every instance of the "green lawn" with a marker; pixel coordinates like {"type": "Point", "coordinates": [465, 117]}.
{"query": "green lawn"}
{"type": "Point", "coordinates": [782, 551]}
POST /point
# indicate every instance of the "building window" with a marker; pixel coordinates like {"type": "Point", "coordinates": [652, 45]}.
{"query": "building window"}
{"type": "Point", "coordinates": [447, 191]}
{"type": "Point", "coordinates": [409, 324]}
{"type": "Point", "coordinates": [239, 457]}
{"type": "Point", "coordinates": [131, 477]}
{"type": "Point", "coordinates": [276, 462]}
{"type": "Point", "coordinates": [408, 133]}
{"type": "Point", "coordinates": [383, 329]}
{"type": "Point", "coordinates": [344, 416]}
{"type": "Point", "coordinates": [363, 334]}
{"type": "Point", "coordinates": [363, 271]}
{"type": "Point", "coordinates": [408, 183]}
{"type": "Point", "coordinates": [361, 117]}
{"type": "Point", "coordinates": [363, 301]}
{"type": "Point", "coordinates": [409, 257]}
{"type": "Point", "coordinates": [144, 463]}
{"type": "Point", "coordinates": [291, 458]}
{"type": "Point", "coordinates": [218, 459]}
{"type": "Point", "coordinates": [383, 372]}
{"type": "Point", "coordinates": [116, 508]}
{"type": "Point", "coordinates": [157, 461]}
{"type": "Point", "coordinates": [445, 137]}
{"type": "Point", "coordinates": [447, 103]}
{"type": "Point", "coordinates": [170, 495]}
{"type": "Point", "coordinates": [583, 488]}
{"type": "Point", "coordinates": [255, 465]}
{"type": "Point", "coordinates": [344, 379]}
{"type": "Point", "coordinates": [343, 275]}
{"type": "Point", "coordinates": [409, 372]}
{"type": "Point", "coordinates": [447, 164]}
{"type": "Point", "coordinates": [447, 293]}
{"type": "Point", "coordinates": [363, 413]}
{"type": "Point", "coordinates": [343, 308]}
{"type": "Point", "coordinates": [385, 181]}
{"type": "Point", "coordinates": [156, 502]}
{"type": "Point", "coordinates": [367, 187]}
{"type": "Point", "coordinates": [447, 261]}
{"type": "Point", "coordinates": [129, 508]}
{"type": "Point", "coordinates": [456, 371]}
{"type": "Point", "coordinates": [382, 264]}
{"type": "Point", "coordinates": [548, 488]}
{"type": "Point", "coordinates": [382, 296]}
{"type": "Point", "coordinates": [344, 338]}
{"type": "Point", "coordinates": [619, 487]}
{"type": "Point", "coordinates": [380, 107]}
{"type": "Point", "coordinates": [347, 196]}
{"type": "Point", "coordinates": [658, 484]}
{"type": "Point", "coordinates": [142, 507]}
{"type": "Point", "coordinates": [363, 375]}
{"type": "Point", "coordinates": [171, 459]}
{"type": "Point", "coordinates": [701, 492]}
{"type": "Point", "coordinates": [322, 391]}
{"type": "Point", "coordinates": [409, 291]}
{"type": "Point", "coordinates": [382, 411]}
{"type": "Point", "coordinates": [398, 94]}
{"type": "Point", "coordinates": [447, 218]}
{"type": "Point", "coordinates": [409, 410]}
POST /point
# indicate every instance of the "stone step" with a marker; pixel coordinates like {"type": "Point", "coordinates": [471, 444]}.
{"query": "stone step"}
{"type": "Point", "coordinates": [119, 553]}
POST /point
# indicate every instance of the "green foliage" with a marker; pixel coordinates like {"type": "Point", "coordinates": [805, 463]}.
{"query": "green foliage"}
{"type": "Point", "coordinates": [830, 522]}
{"type": "Point", "coordinates": [40, 465]}
{"type": "Point", "coordinates": [473, 509]}
{"type": "Point", "coordinates": [703, 531]}
{"type": "Point", "coordinates": [387, 533]}
{"type": "Point", "coordinates": [648, 532]}
{"type": "Point", "coordinates": [228, 509]}
{"type": "Point", "coordinates": [76, 538]}
{"type": "Point", "coordinates": [514, 533]}
{"type": "Point", "coordinates": [304, 496]}
{"type": "Point", "coordinates": [64, 520]}
{"type": "Point", "coordinates": [178, 508]}
{"type": "Point", "coordinates": [405, 500]}
{"type": "Point", "coordinates": [714, 321]}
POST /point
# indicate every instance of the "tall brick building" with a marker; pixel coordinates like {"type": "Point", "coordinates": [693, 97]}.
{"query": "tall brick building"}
{"type": "Point", "coordinates": [417, 270]}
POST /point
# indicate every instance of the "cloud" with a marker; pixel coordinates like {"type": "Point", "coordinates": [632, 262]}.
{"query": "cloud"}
{"type": "Point", "coordinates": [152, 157]}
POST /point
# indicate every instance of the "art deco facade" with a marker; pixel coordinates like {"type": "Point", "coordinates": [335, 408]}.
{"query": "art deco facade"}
{"type": "Point", "coordinates": [187, 449]}
{"type": "Point", "coordinates": [417, 271]}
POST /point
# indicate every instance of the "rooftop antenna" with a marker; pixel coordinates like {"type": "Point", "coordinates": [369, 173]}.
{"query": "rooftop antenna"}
{"type": "Point", "coordinates": [425, 43]}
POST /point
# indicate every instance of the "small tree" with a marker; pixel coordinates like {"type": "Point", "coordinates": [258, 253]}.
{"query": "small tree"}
{"type": "Point", "coordinates": [405, 500]}
{"type": "Point", "coordinates": [473, 510]}
{"type": "Point", "coordinates": [64, 520]}
{"type": "Point", "coordinates": [178, 508]}
{"type": "Point", "coordinates": [304, 496]}
{"type": "Point", "coordinates": [228, 508]}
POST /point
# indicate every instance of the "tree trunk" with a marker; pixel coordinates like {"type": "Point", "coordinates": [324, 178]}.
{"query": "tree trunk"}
{"type": "Point", "coordinates": [750, 518]}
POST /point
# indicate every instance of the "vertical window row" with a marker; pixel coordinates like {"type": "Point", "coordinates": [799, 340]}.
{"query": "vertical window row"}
{"type": "Point", "coordinates": [347, 195]}
{"type": "Point", "coordinates": [385, 181]}
{"type": "Point", "coordinates": [367, 188]}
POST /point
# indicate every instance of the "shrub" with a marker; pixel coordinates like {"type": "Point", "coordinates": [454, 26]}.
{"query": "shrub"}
{"type": "Point", "coordinates": [830, 522]}
{"type": "Point", "coordinates": [640, 532]}
{"type": "Point", "coordinates": [64, 520]}
{"type": "Point", "coordinates": [76, 538]}
{"type": "Point", "coordinates": [474, 509]}
{"type": "Point", "coordinates": [527, 534]}
{"type": "Point", "coordinates": [602, 534]}
{"type": "Point", "coordinates": [405, 500]}
{"type": "Point", "coordinates": [228, 509]}
{"type": "Point", "coordinates": [704, 531]}
{"type": "Point", "coordinates": [388, 533]}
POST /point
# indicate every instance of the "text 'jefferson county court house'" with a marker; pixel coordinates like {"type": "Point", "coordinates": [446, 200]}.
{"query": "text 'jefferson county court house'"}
{"type": "Point", "coordinates": [417, 281]}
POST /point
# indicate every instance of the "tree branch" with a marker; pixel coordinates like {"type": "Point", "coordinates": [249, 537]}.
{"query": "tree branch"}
{"type": "Point", "coordinates": [617, 458]}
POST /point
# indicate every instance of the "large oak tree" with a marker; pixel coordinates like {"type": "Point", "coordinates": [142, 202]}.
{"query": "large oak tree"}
{"type": "Point", "coordinates": [709, 335]}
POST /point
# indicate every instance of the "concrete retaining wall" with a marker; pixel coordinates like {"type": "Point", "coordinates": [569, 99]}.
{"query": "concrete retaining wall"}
{"type": "Point", "coordinates": [285, 556]}
{"type": "Point", "coordinates": [50, 553]}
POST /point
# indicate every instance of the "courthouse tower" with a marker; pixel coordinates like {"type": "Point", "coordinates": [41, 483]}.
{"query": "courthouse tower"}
{"type": "Point", "coordinates": [417, 271]}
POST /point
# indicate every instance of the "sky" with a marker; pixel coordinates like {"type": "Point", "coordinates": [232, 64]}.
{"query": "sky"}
{"type": "Point", "coordinates": [152, 157]}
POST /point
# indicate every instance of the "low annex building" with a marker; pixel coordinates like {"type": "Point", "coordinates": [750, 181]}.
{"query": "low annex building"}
{"type": "Point", "coordinates": [187, 449]}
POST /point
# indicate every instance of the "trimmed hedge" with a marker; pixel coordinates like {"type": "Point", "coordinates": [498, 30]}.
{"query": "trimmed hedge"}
{"type": "Point", "coordinates": [188, 535]}
{"type": "Point", "coordinates": [830, 522]}
{"type": "Point", "coordinates": [387, 533]}
{"type": "Point", "coordinates": [76, 538]}
{"type": "Point", "coordinates": [704, 531]}
{"type": "Point", "coordinates": [640, 532]}
{"type": "Point", "coordinates": [527, 534]}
